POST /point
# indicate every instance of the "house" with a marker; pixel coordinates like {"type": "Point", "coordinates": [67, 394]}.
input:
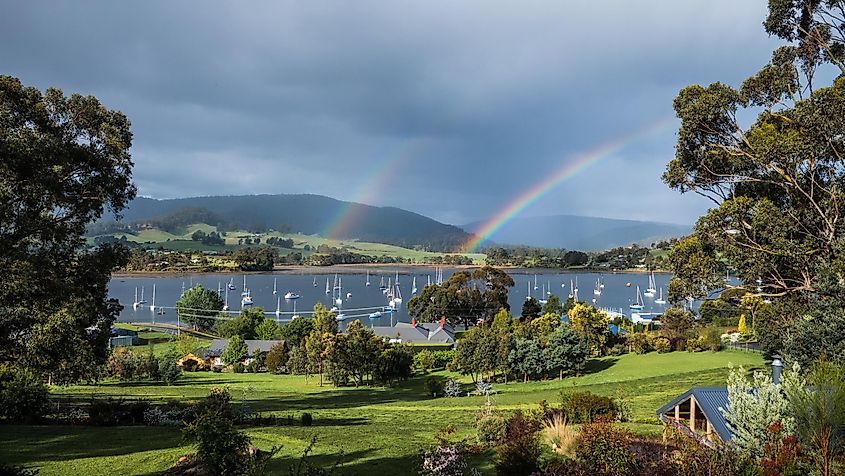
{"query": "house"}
{"type": "Point", "coordinates": [417, 333]}
{"type": "Point", "coordinates": [123, 337]}
{"type": "Point", "coordinates": [215, 351]}
{"type": "Point", "coordinates": [698, 412]}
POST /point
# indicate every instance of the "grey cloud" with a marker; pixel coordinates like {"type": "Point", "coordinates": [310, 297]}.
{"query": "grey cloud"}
{"type": "Point", "coordinates": [265, 97]}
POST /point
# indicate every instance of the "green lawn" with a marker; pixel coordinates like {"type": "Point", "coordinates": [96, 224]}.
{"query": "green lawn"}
{"type": "Point", "coordinates": [379, 430]}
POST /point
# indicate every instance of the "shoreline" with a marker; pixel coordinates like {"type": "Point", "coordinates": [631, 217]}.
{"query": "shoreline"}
{"type": "Point", "coordinates": [344, 269]}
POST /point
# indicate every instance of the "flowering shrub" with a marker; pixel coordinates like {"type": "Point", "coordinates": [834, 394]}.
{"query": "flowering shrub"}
{"type": "Point", "coordinates": [443, 461]}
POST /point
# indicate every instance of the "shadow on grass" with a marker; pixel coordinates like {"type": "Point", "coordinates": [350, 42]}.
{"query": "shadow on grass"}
{"type": "Point", "coordinates": [597, 365]}
{"type": "Point", "coordinates": [340, 399]}
{"type": "Point", "coordinates": [25, 444]}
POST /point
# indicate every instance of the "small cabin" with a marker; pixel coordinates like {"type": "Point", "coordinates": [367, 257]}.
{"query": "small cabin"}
{"type": "Point", "coordinates": [697, 413]}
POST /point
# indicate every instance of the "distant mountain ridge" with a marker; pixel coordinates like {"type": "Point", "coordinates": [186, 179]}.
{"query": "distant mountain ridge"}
{"type": "Point", "coordinates": [308, 214]}
{"type": "Point", "coordinates": [582, 233]}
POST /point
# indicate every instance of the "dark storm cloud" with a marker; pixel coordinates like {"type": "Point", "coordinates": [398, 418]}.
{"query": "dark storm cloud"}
{"type": "Point", "coordinates": [479, 100]}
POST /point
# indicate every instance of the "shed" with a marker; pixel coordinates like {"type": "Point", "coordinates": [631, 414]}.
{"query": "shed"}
{"type": "Point", "coordinates": [698, 414]}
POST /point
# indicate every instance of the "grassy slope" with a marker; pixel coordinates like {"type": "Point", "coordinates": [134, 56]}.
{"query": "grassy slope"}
{"type": "Point", "coordinates": [183, 241]}
{"type": "Point", "coordinates": [379, 430]}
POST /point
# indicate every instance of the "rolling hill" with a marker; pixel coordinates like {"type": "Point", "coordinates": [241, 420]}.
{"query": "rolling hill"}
{"type": "Point", "coordinates": [306, 214]}
{"type": "Point", "coordinates": [581, 233]}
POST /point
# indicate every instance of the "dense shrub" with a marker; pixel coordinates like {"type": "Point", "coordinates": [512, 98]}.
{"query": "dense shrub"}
{"type": "Point", "coordinates": [424, 360]}
{"type": "Point", "coordinates": [112, 412]}
{"type": "Point", "coordinates": [434, 385]}
{"type": "Point", "coordinates": [638, 342]}
{"type": "Point", "coordinates": [238, 368]}
{"type": "Point", "coordinates": [586, 407]}
{"type": "Point", "coordinates": [191, 365]}
{"type": "Point", "coordinates": [443, 358]}
{"type": "Point", "coordinates": [23, 394]}
{"type": "Point", "coordinates": [277, 358]}
{"type": "Point", "coordinates": [306, 419]}
{"type": "Point", "coordinates": [520, 450]}
{"type": "Point", "coordinates": [605, 449]}
{"type": "Point", "coordinates": [661, 344]}
{"type": "Point", "coordinates": [121, 364]}
{"type": "Point", "coordinates": [9, 470]}
{"type": "Point", "coordinates": [167, 369]}
{"type": "Point", "coordinates": [253, 367]}
{"type": "Point", "coordinates": [711, 339]}
{"type": "Point", "coordinates": [489, 427]}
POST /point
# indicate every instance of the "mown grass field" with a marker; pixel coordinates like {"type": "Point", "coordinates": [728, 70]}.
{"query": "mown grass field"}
{"type": "Point", "coordinates": [183, 241]}
{"type": "Point", "coordinates": [377, 430]}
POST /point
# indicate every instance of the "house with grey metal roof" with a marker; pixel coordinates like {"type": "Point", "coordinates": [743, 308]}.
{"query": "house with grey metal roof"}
{"type": "Point", "coordinates": [700, 411]}
{"type": "Point", "coordinates": [417, 333]}
{"type": "Point", "coordinates": [698, 414]}
{"type": "Point", "coordinates": [218, 346]}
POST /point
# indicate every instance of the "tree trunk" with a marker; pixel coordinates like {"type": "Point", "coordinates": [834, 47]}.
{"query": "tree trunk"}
{"type": "Point", "coordinates": [561, 374]}
{"type": "Point", "coordinates": [321, 373]}
{"type": "Point", "coordinates": [525, 377]}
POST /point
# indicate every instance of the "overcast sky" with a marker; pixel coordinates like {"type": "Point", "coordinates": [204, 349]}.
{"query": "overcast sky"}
{"type": "Point", "coordinates": [464, 104]}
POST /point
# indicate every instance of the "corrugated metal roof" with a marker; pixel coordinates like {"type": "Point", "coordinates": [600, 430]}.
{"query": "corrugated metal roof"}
{"type": "Point", "coordinates": [710, 400]}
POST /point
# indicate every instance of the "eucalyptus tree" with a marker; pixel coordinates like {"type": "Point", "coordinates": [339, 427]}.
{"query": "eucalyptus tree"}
{"type": "Point", "coordinates": [64, 161]}
{"type": "Point", "coordinates": [770, 156]}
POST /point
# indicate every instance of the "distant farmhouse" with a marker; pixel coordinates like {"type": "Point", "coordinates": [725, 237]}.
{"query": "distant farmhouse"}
{"type": "Point", "coordinates": [418, 333]}
{"type": "Point", "coordinates": [218, 346]}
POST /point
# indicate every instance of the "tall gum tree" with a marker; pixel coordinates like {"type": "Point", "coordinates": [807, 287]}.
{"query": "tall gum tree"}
{"type": "Point", "coordinates": [64, 161]}
{"type": "Point", "coordinates": [777, 183]}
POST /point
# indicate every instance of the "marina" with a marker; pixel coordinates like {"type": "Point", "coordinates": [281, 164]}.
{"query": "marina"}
{"type": "Point", "coordinates": [283, 296]}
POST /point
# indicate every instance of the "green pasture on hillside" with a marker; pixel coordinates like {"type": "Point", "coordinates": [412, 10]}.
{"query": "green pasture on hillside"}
{"type": "Point", "coordinates": [371, 430]}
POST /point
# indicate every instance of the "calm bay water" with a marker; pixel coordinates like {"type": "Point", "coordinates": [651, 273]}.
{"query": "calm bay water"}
{"type": "Point", "coordinates": [363, 300]}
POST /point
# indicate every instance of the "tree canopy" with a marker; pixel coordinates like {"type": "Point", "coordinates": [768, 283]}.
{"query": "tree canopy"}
{"type": "Point", "coordinates": [64, 161]}
{"type": "Point", "coordinates": [776, 182]}
{"type": "Point", "coordinates": [200, 307]}
{"type": "Point", "coordinates": [466, 297]}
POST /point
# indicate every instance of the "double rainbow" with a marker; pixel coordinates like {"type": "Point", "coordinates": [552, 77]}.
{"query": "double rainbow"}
{"type": "Point", "coordinates": [569, 169]}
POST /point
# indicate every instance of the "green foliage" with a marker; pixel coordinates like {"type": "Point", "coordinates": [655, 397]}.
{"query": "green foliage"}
{"type": "Point", "coordinates": [719, 312]}
{"type": "Point", "coordinates": [199, 307]}
{"type": "Point", "coordinates": [661, 344]}
{"type": "Point", "coordinates": [464, 298]}
{"type": "Point", "coordinates": [306, 419]}
{"type": "Point", "coordinates": [545, 325]}
{"type": "Point", "coordinates": [527, 359]}
{"type": "Point", "coordinates": [167, 369]}
{"type": "Point", "coordinates": [591, 325]}
{"type": "Point", "coordinates": [268, 329]}
{"type": "Point", "coordinates": [678, 325]}
{"type": "Point", "coordinates": [424, 360]}
{"type": "Point", "coordinates": [295, 331]}
{"type": "Point", "coordinates": [186, 344]}
{"type": "Point", "coordinates": [221, 448]}
{"type": "Point", "coordinates": [639, 343]}
{"type": "Point", "coordinates": [277, 358]}
{"type": "Point", "coordinates": [818, 408]}
{"type": "Point", "coordinates": [605, 449]}
{"type": "Point", "coordinates": [566, 352]}
{"type": "Point", "coordinates": [235, 352]}
{"type": "Point", "coordinates": [695, 269]}
{"type": "Point", "coordinates": [816, 334]}
{"type": "Point", "coordinates": [245, 325]}
{"type": "Point", "coordinates": [711, 339]}
{"type": "Point", "coordinates": [489, 427]}
{"type": "Point", "coordinates": [587, 407]}
{"type": "Point", "coordinates": [530, 309]}
{"type": "Point", "coordinates": [65, 160]}
{"type": "Point", "coordinates": [755, 405]}
{"type": "Point", "coordinates": [23, 394]}
{"type": "Point", "coordinates": [553, 306]}
{"type": "Point", "coordinates": [443, 358]}
{"type": "Point", "coordinates": [434, 385]}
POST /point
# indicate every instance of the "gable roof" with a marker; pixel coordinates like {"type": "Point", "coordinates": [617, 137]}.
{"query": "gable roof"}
{"type": "Point", "coordinates": [218, 346]}
{"type": "Point", "coordinates": [709, 400]}
{"type": "Point", "coordinates": [419, 333]}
